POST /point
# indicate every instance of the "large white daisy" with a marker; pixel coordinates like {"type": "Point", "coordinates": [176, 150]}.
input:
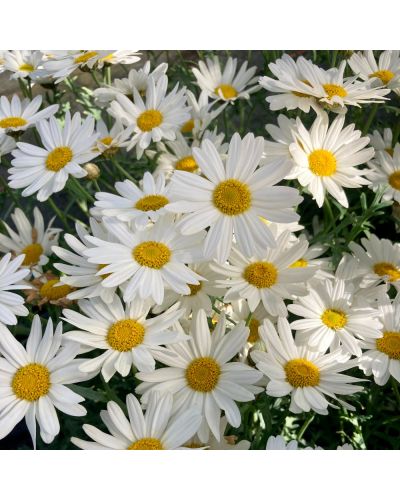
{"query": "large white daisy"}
{"type": "Point", "coordinates": [231, 197]}
{"type": "Point", "coordinates": [25, 63]}
{"type": "Point", "coordinates": [200, 374]}
{"type": "Point", "coordinates": [11, 304]}
{"type": "Point", "coordinates": [45, 170]}
{"type": "Point", "coordinates": [125, 334]}
{"type": "Point", "coordinates": [155, 429]}
{"type": "Point", "coordinates": [307, 376]}
{"type": "Point", "coordinates": [384, 71]}
{"type": "Point", "coordinates": [325, 158]}
{"type": "Point", "coordinates": [17, 115]}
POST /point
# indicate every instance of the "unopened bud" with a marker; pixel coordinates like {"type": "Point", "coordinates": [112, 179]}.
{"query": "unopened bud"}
{"type": "Point", "coordinates": [93, 171]}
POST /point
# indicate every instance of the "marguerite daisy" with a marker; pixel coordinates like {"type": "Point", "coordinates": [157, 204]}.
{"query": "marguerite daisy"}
{"type": "Point", "coordinates": [45, 170]}
{"type": "Point", "coordinates": [385, 71]}
{"type": "Point", "coordinates": [7, 144]}
{"type": "Point", "coordinates": [279, 443]}
{"type": "Point", "coordinates": [125, 334]}
{"type": "Point", "coordinates": [110, 141]}
{"type": "Point", "coordinates": [155, 429]}
{"type": "Point", "coordinates": [11, 304]}
{"type": "Point", "coordinates": [307, 376]}
{"type": "Point", "coordinates": [17, 115]}
{"type": "Point", "coordinates": [382, 142]}
{"type": "Point", "coordinates": [201, 113]}
{"type": "Point", "coordinates": [232, 195]}
{"type": "Point", "coordinates": [282, 135]}
{"type": "Point", "coordinates": [326, 156]}
{"type": "Point", "coordinates": [25, 63]}
{"type": "Point", "coordinates": [200, 374]}
{"type": "Point", "coordinates": [385, 174]}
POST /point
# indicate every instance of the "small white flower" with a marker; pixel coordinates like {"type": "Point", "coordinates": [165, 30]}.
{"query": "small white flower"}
{"type": "Point", "coordinates": [279, 443]}
{"type": "Point", "coordinates": [25, 63]}
{"type": "Point", "coordinates": [110, 141]}
{"type": "Point", "coordinates": [201, 113]}
{"type": "Point", "coordinates": [11, 304]}
{"type": "Point", "coordinates": [385, 71]}
{"type": "Point", "coordinates": [385, 173]}
{"type": "Point", "coordinates": [17, 115]}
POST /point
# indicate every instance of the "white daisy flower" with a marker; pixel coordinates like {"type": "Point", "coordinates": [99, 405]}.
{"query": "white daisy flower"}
{"type": "Point", "coordinates": [79, 272]}
{"type": "Point", "coordinates": [290, 86]}
{"type": "Point", "coordinates": [333, 319]}
{"type": "Point", "coordinates": [307, 376]}
{"type": "Point", "coordinates": [11, 304]}
{"type": "Point", "coordinates": [226, 84]}
{"type": "Point", "coordinates": [268, 276]}
{"type": "Point", "coordinates": [200, 374]}
{"type": "Point", "coordinates": [66, 148]}
{"type": "Point", "coordinates": [384, 71]}
{"type": "Point", "coordinates": [377, 262]}
{"type": "Point", "coordinates": [178, 154]}
{"type": "Point", "coordinates": [382, 142]}
{"type": "Point", "coordinates": [34, 241]}
{"type": "Point", "coordinates": [201, 114]}
{"type": "Point", "coordinates": [125, 334]}
{"type": "Point", "coordinates": [157, 117]}
{"type": "Point", "coordinates": [110, 141]}
{"type": "Point", "coordinates": [7, 144]}
{"type": "Point", "coordinates": [199, 296]}
{"type": "Point", "coordinates": [279, 443]}
{"type": "Point", "coordinates": [147, 261]}
{"type": "Point", "coordinates": [17, 115]}
{"type": "Point", "coordinates": [137, 78]}
{"type": "Point", "coordinates": [282, 135]}
{"type": "Point", "coordinates": [312, 260]}
{"type": "Point", "coordinates": [325, 158]}
{"type": "Point", "coordinates": [33, 380]}
{"type": "Point", "coordinates": [223, 443]}
{"type": "Point", "coordinates": [232, 196]}
{"type": "Point", "coordinates": [25, 63]}
{"type": "Point", "coordinates": [385, 174]}
{"type": "Point", "coordinates": [155, 429]}
{"type": "Point", "coordinates": [140, 206]}
{"type": "Point", "coordinates": [382, 357]}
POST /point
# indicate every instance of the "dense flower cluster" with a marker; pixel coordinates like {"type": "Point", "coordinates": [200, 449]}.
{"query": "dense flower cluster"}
{"type": "Point", "coordinates": [192, 294]}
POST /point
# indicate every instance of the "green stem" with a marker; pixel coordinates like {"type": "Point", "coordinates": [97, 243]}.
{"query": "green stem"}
{"type": "Point", "coordinates": [370, 118]}
{"type": "Point", "coordinates": [121, 169]}
{"type": "Point", "coordinates": [396, 391]}
{"type": "Point", "coordinates": [59, 214]}
{"type": "Point", "coordinates": [304, 427]}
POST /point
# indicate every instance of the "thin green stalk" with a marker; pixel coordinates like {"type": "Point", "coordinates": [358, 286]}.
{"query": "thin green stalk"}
{"type": "Point", "coordinates": [59, 214]}
{"type": "Point", "coordinates": [121, 169]}
{"type": "Point", "coordinates": [396, 391]}
{"type": "Point", "coordinates": [304, 427]}
{"type": "Point", "coordinates": [370, 118]}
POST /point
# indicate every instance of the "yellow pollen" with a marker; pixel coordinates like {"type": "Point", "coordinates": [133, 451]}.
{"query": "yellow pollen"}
{"type": "Point", "coordinates": [146, 444]}
{"type": "Point", "coordinates": [52, 292]}
{"type": "Point", "coordinates": [103, 276]}
{"type": "Point", "coordinates": [187, 164]}
{"type": "Point", "coordinates": [302, 94]}
{"type": "Point", "coordinates": [107, 140]}
{"type": "Point", "coordinates": [390, 151]}
{"type": "Point", "coordinates": [389, 344]}
{"type": "Point", "coordinates": [203, 374]}
{"type": "Point", "coordinates": [125, 334]}
{"type": "Point", "coordinates": [322, 162]}
{"type": "Point", "coordinates": [187, 127]}
{"type": "Point", "coordinates": [226, 90]}
{"type": "Point", "coordinates": [334, 90]}
{"type": "Point", "coordinates": [387, 269]}
{"type": "Point", "coordinates": [26, 67]}
{"type": "Point", "coordinates": [32, 254]}
{"type": "Point", "coordinates": [232, 197]}
{"type": "Point", "coordinates": [85, 57]}
{"type": "Point", "coordinates": [261, 274]}
{"type": "Point", "coordinates": [334, 318]}
{"type": "Point", "coordinates": [194, 289]}
{"type": "Point", "coordinates": [108, 57]}
{"type": "Point", "coordinates": [384, 75]}
{"type": "Point", "coordinates": [253, 335]}
{"type": "Point", "coordinates": [12, 121]}
{"type": "Point", "coordinates": [31, 382]}
{"type": "Point", "coordinates": [152, 254]}
{"type": "Point", "coordinates": [111, 150]}
{"type": "Point", "coordinates": [58, 158]}
{"type": "Point", "coordinates": [149, 119]}
{"type": "Point", "coordinates": [394, 180]}
{"type": "Point", "coordinates": [151, 202]}
{"type": "Point", "coordinates": [299, 263]}
{"type": "Point", "coordinates": [302, 373]}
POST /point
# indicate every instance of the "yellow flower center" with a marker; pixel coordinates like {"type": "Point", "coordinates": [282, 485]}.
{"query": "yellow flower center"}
{"type": "Point", "coordinates": [151, 202]}
{"type": "Point", "coordinates": [261, 274]}
{"type": "Point", "coordinates": [83, 58]}
{"type": "Point", "coordinates": [31, 382]}
{"type": "Point", "coordinates": [387, 269]}
{"type": "Point", "coordinates": [227, 91]}
{"type": "Point", "coordinates": [187, 127]}
{"type": "Point", "coordinates": [58, 158]}
{"type": "Point", "coordinates": [194, 289]}
{"type": "Point", "coordinates": [203, 374]}
{"type": "Point", "coordinates": [146, 444]}
{"type": "Point", "coordinates": [253, 335]}
{"type": "Point", "coordinates": [12, 121]}
{"type": "Point", "coordinates": [390, 151]}
{"type": "Point", "coordinates": [389, 344]}
{"type": "Point", "coordinates": [152, 254]}
{"type": "Point", "coordinates": [125, 334]}
{"type": "Point", "coordinates": [302, 94]}
{"type": "Point", "coordinates": [394, 180]}
{"type": "Point", "coordinates": [149, 119]}
{"type": "Point", "coordinates": [26, 67]}
{"type": "Point", "coordinates": [232, 197]}
{"type": "Point", "coordinates": [384, 75]}
{"type": "Point", "coordinates": [302, 373]}
{"type": "Point", "coordinates": [187, 164]}
{"type": "Point", "coordinates": [333, 90]}
{"type": "Point", "coordinates": [334, 318]}
{"type": "Point", "coordinates": [103, 276]}
{"type": "Point", "coordinates": [111, 150]}
{"type": "Point", "coordinates": [299, 263]}
{"type": "Point", "coordinates": [32, 254]}
{"type": "Point", "coordinates": [322, 162]}
{"type": "Point", "coordinates": [52, 292]}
